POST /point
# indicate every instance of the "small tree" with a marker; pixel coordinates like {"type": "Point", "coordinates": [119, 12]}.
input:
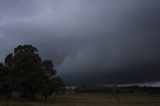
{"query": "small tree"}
{"type": "Point", "coordinates": [6, 81]}
{"type": "Point", "coordinates": [116, 93]}
{"type": "Point", "coordinates": [52, 83]}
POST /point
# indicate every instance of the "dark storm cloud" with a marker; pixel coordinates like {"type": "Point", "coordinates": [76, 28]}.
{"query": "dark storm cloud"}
{"type": "Point", "coordinates": [90, 41]}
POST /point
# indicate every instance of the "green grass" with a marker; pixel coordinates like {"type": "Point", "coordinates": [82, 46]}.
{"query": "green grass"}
{"type": "Point", "coordinates": [91, 100]}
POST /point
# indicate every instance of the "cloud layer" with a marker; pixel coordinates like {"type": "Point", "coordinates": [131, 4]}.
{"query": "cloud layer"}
{"type": "Point", "coordinates": [90, 41]}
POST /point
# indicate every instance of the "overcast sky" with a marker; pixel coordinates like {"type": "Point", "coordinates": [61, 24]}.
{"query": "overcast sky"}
{"type": "Point", "coordinates": [90, 41]}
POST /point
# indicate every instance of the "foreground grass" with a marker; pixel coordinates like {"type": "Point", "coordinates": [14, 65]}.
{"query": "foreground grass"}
{"type": "Point", "coordinates": [91, 100]}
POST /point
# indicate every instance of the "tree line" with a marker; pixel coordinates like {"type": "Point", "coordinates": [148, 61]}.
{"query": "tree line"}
{"type": "Point", "coordinates": [25, 73]}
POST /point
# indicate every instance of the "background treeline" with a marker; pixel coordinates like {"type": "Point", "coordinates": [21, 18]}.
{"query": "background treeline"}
{"type": "Point", "coordinates": [26, 74]}
{"type": "Point", "coordinates": [118, 89]}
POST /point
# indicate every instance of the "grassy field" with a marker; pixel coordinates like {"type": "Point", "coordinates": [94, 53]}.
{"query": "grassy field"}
{"type": "Point", "coordinates": [91, 100]}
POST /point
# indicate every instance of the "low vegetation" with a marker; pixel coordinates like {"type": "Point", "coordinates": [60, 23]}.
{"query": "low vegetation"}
{"type": "Point", "coordinates": [90, 99]}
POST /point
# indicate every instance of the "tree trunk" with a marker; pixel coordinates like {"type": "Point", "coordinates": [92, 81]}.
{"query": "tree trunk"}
{"type": "Point", "coordinates": [33, 97]}
{"type": "Point", "coordinates": [46, 97]}
{"type": "Point", "coordinates": [9, 95]}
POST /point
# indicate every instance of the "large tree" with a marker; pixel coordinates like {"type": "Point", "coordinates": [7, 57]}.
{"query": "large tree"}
{"type": "Point", "coordinates": [27, 64]}
{"type": "Point", "coordinates": [26, 73]}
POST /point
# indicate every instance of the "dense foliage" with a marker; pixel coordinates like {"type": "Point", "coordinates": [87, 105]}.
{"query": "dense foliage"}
{"type": "Point", "coordinates": [25, 73]}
